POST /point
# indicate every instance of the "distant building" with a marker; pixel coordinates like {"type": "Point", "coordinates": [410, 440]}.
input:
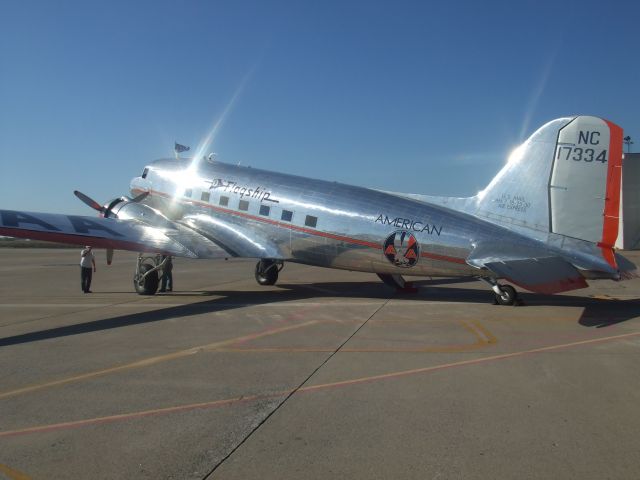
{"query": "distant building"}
{"type": "Point", "coordinates": [629, 230]}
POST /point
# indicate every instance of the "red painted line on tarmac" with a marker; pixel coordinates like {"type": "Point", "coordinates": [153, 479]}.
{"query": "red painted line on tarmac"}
{"type": "Point", "coordinates": [133, 416]}
{"type": "Point", "coordinates": [309, 389]}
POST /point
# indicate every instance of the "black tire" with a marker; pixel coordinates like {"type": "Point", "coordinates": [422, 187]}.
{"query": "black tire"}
{"type": "Point", "coordinates": [509, 295]}
{"type": "Point", "coordinates": [266, 272]}
{"type": "Point", "coordinates": [149, 285]}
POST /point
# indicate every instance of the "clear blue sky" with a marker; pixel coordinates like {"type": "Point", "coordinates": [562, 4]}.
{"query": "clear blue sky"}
{"type": "Point", "coordinates": [424, 97]}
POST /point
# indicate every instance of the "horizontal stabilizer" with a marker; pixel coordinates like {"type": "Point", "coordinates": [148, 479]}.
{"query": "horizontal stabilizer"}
{"type": "Point", "coordinates": [529, 266]}
{"type": "Point", "coordinates": [540, 275]}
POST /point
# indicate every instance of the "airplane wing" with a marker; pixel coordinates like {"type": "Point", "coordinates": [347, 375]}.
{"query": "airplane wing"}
{"type": "Point", "coordinates": [534, 269]}
{"type": "Point", "coordinates": [170, 238]}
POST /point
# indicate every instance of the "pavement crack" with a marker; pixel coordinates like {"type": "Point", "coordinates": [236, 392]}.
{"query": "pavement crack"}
{"type": "Point", "coordinates": [296, 389]}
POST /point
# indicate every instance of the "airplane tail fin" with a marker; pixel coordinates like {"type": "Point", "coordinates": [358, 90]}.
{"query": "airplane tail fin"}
{"type": "Point", "coordinates": [565, 179]}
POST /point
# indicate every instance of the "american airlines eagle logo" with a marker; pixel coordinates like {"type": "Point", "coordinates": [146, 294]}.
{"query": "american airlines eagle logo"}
{"type": "Point", "coordinates": [402, 249]}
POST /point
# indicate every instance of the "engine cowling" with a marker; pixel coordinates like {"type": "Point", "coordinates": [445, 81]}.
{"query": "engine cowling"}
{"type": "Point", "coordinates": [124, 209]}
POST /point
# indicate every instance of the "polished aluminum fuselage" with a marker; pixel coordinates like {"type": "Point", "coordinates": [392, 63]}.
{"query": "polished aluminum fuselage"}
{"type": "Point", "coordinates": [353, 223]}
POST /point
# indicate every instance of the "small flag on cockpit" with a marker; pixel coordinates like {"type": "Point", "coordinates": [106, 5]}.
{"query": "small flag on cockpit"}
{"type": "Point", "coordinates": [181, 148]}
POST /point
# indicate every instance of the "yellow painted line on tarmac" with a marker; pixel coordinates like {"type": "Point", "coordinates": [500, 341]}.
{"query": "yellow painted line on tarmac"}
{"type": "Point", "coordinates": [154, 360]}
{"type": "Point", "coordinates": [482, 335]}
{"type": "Point", "coordinates": [311, 388]}
{"type": "Point", "coordinates": [463, 363]}
{"type": "Point", "coordinates": [13, 474]}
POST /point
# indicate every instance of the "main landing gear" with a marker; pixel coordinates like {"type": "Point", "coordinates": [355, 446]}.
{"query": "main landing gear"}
{"type": "Point", "coordinates": [267, 271]}
{"type": "Point", "coordinates": [145, 278]}
{"type": "Point", "coordinates": [504, 294]}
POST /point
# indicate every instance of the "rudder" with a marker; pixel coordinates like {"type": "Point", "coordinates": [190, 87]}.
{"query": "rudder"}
{"type": "Point", "coordinates": [584, 189]}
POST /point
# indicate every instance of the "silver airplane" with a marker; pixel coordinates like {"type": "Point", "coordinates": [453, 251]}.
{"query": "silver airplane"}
{"type": "Point", "coordinates": [547, 222]}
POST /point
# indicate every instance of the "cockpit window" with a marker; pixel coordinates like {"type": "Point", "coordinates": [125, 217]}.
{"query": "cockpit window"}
{"type": "Point", "coordinates": [144, 172]}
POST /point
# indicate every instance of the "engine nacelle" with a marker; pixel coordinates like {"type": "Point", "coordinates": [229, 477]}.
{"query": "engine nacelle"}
{"type": "Point", "coordinates": [123, 208]}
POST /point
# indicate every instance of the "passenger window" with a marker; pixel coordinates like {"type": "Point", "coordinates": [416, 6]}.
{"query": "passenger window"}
{"type": "Point", "coordinates": [243, 205]}
{"type": "Point", "coordinates": [144, 172]}
{"type": "Point", "coordinates": [205, 196]}
{"type": "Point", "coordinates": [224, 201]}
{"type": "Point", "coordinates": [311, 221]}
{"type": "Point", "coordinates": [286, 215]}
{"type": "Point", "coordinates": [264, 210]}
{"type": "Point", "coordinates": [188, 192]}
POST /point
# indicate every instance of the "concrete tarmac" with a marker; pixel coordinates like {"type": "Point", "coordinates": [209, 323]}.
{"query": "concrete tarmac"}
{"type": "Point", "coordinates": [328, 374]}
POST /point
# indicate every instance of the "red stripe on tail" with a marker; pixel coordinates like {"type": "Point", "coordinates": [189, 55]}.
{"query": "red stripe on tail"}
{"type": "Point", "coordinates": [612, 196]}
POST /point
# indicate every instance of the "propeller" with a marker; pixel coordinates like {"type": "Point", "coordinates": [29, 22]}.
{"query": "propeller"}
{"type": "Point", "coordinates": [105, 210]}
{"type": "Point", "coordinates": [89, 201]}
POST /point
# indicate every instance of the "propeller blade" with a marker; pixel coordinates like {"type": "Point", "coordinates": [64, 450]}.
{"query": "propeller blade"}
{"type": "Point", "coordinates": [89, 201]}
{"type": "Point", "coordinates": [140, 197]}
{"type": "Point", "coordinates": [109, 256]}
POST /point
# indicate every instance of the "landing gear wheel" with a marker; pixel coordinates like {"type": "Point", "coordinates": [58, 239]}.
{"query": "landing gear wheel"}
{"type": "Point", "coordinates": [147, 285]}
{"type": "Point", "coordinates": [509, 295]}
{"type": "Point", "coordinates": [267, 272]}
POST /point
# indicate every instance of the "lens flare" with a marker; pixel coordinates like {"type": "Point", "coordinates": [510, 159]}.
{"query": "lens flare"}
{"type": "Point", "coordinates": [208, 140]}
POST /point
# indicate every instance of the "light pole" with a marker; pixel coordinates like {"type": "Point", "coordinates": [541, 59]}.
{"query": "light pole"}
{"type": "Point", "coordinates": [628, 143]}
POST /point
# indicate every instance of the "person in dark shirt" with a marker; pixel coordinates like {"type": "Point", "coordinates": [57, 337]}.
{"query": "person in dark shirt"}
{"type": "Point", "coordinates": [167, 275]}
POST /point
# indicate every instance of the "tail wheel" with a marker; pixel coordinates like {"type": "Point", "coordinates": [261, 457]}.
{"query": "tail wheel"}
{"type": "Point", "coordinates": [267, 272]}
{"type": "Point", "coordinates": [508, 296]}
{"type": "Point", "coordinates": [146, 285]}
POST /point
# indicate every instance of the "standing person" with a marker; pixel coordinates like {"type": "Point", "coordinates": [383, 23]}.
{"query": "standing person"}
{"type": "Point", "coordinates": [167, 275]}
{"type": "Point", "coordinates": [87, 260]}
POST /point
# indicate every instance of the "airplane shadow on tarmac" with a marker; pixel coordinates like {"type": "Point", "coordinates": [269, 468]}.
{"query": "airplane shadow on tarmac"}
{"type": "Point", "coordinates": [597, 312]}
